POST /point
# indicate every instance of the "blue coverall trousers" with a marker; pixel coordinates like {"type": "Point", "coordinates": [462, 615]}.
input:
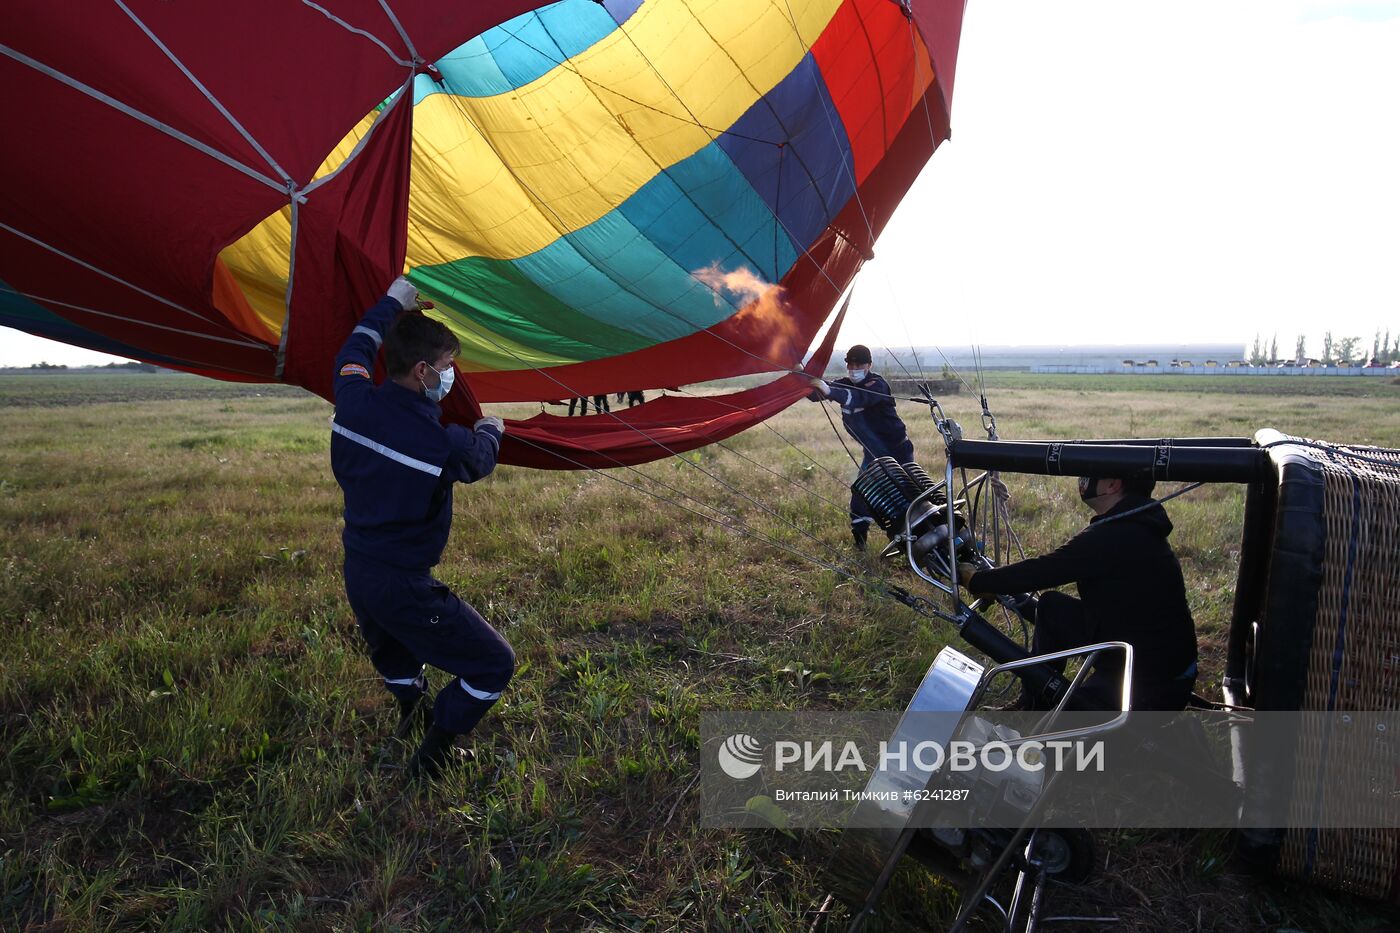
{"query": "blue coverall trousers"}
{"type": "Point", "coordinates": [409, 619]}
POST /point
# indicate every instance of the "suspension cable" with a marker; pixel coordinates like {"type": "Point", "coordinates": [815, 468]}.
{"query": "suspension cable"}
{"type": "Point", "coordinates": [732, 407]}
{"type": "Point", "coordinates": [726, 485]}
{"type": "Point", "coordinates": [840, 437]}
{"type": "Point", "coordinates": [734, 524]}
{"type": "Point", "coordinates": [1147, 505]}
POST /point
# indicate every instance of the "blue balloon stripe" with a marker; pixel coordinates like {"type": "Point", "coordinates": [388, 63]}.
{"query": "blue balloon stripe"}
{"type": "Point", "coordinates": [525, 48]}
{"type": "Point", "coordinates": [810, 178]}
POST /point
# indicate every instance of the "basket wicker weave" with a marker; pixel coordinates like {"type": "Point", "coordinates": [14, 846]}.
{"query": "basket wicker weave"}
{"type": "Point", "coordinates": [1351, 664]}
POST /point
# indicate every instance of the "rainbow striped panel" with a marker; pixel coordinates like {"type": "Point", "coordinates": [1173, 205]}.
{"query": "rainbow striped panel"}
{"type": "Point", "coordinates": [587, 179]}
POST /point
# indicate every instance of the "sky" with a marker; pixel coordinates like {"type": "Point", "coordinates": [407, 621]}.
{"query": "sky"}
{"type": "Point", "coordinates": [1132, 172]}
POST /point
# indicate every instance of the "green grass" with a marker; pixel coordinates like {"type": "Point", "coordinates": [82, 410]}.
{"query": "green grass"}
{"type": "Point", "coordinates": [50, 389]}
{"type": "Point", "coordinates": [193, 738]}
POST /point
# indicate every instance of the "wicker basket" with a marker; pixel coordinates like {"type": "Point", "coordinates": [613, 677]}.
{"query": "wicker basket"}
{"type": "Point", "coordinates": [1317, 627]}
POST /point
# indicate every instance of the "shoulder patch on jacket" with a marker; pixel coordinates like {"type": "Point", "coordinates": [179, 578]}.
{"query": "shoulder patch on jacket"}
{"type": "Point", "coordinates": [354, 369]}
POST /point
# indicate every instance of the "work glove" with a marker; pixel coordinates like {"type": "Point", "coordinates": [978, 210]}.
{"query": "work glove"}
{"type": "Point", "coordinates": [404, 292]}
{"type": "Point", "coordinates": [490, 421]}
{"type": "Point", "coordinates": [820, 390]}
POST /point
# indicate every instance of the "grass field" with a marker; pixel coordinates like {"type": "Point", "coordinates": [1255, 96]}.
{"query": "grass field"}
{"type": "Point", "coordinates": [193, 737]}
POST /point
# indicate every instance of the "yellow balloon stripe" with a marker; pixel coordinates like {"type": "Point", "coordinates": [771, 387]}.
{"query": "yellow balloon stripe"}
{"type": "Point", "coordinates": [258, 263]}
{"type": "Point", "coordinates": [585, 136]}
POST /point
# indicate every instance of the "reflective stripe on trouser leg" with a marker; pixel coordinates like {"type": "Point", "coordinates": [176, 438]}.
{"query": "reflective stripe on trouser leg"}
{"type": "Point", "coordinates": [408, 688]}
{"type": "Point", "coordinates": [417, 680]}
{"type": "Point", "coordinates": [460, 706]}
{"type": "Point", "coordinates": [478, 694]}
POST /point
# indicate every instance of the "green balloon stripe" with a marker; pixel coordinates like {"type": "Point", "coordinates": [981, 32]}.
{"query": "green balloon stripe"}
{"type": "Point", "coordinates": [497, 295]}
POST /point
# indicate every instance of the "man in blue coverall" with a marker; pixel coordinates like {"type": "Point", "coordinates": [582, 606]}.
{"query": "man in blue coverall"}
{"type": "Point", "coordinates": [396, 464]}
{"type": "Point", "coordinates": [868, 415]}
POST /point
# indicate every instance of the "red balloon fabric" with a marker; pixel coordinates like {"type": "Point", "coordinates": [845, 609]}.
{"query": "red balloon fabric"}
{"type": "Point", "coordinates": [157, 137]}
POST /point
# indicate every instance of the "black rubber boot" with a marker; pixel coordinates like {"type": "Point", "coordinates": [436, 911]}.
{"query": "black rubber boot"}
{"type": "Point", "coordinates": [414, 713]}
{"type": "Point", "coordinates": [858, 535]}
{"type": "Point", "coordinates": [437, 750]}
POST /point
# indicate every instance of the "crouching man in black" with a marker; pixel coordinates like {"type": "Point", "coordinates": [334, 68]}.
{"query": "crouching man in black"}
{"type": "Point", "coordinates": [1130, 589]}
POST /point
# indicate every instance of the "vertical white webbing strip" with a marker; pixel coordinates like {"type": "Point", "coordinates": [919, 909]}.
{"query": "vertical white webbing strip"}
{"type": "Point", "coordinates": [291, 281]}
{"type": "Point", "coordinates": [403, 93]}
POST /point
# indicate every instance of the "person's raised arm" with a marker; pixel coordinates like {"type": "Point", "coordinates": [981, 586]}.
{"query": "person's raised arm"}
{"type": "Point", "coordinates": [354, 364]}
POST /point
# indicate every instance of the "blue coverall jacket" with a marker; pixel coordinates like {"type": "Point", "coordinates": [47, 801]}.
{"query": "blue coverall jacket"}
{"type": "Point", "coordinates": [394, 459]}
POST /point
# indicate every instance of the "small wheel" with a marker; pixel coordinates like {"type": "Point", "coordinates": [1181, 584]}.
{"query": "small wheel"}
{"type": "Point", "coordinates": [1067, 855]}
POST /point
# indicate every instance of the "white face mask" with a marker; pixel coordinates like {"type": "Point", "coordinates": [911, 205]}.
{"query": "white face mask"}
{"type": "Point", "coordinates": [444, 385]}
{"type": "Point", "coordinates": [857, 375]}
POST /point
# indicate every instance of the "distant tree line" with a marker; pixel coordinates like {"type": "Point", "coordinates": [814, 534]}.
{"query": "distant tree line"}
{"type": "Point", "coordinates": [132, 365]}
{"type": "Point", "coordinates": [1335, 351]}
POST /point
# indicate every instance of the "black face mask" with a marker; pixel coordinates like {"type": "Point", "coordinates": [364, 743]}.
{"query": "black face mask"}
{"type": "Point", "coordinates": [1088, 488]}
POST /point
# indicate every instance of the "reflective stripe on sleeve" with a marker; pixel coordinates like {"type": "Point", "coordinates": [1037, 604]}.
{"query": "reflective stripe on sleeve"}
{"type": "Point", "coordinates": [373, 334]}
{"type": "Point", "coordinates": [378, 448]}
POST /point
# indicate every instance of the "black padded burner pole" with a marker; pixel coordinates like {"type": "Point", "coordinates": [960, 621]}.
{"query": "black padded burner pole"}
{"type": "Point", "coordinates": [1174, 441]}
{"type": "Point", "coordinates": [1041, 680]}
{"type": "Point", "coordinates": [1165, 459]}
